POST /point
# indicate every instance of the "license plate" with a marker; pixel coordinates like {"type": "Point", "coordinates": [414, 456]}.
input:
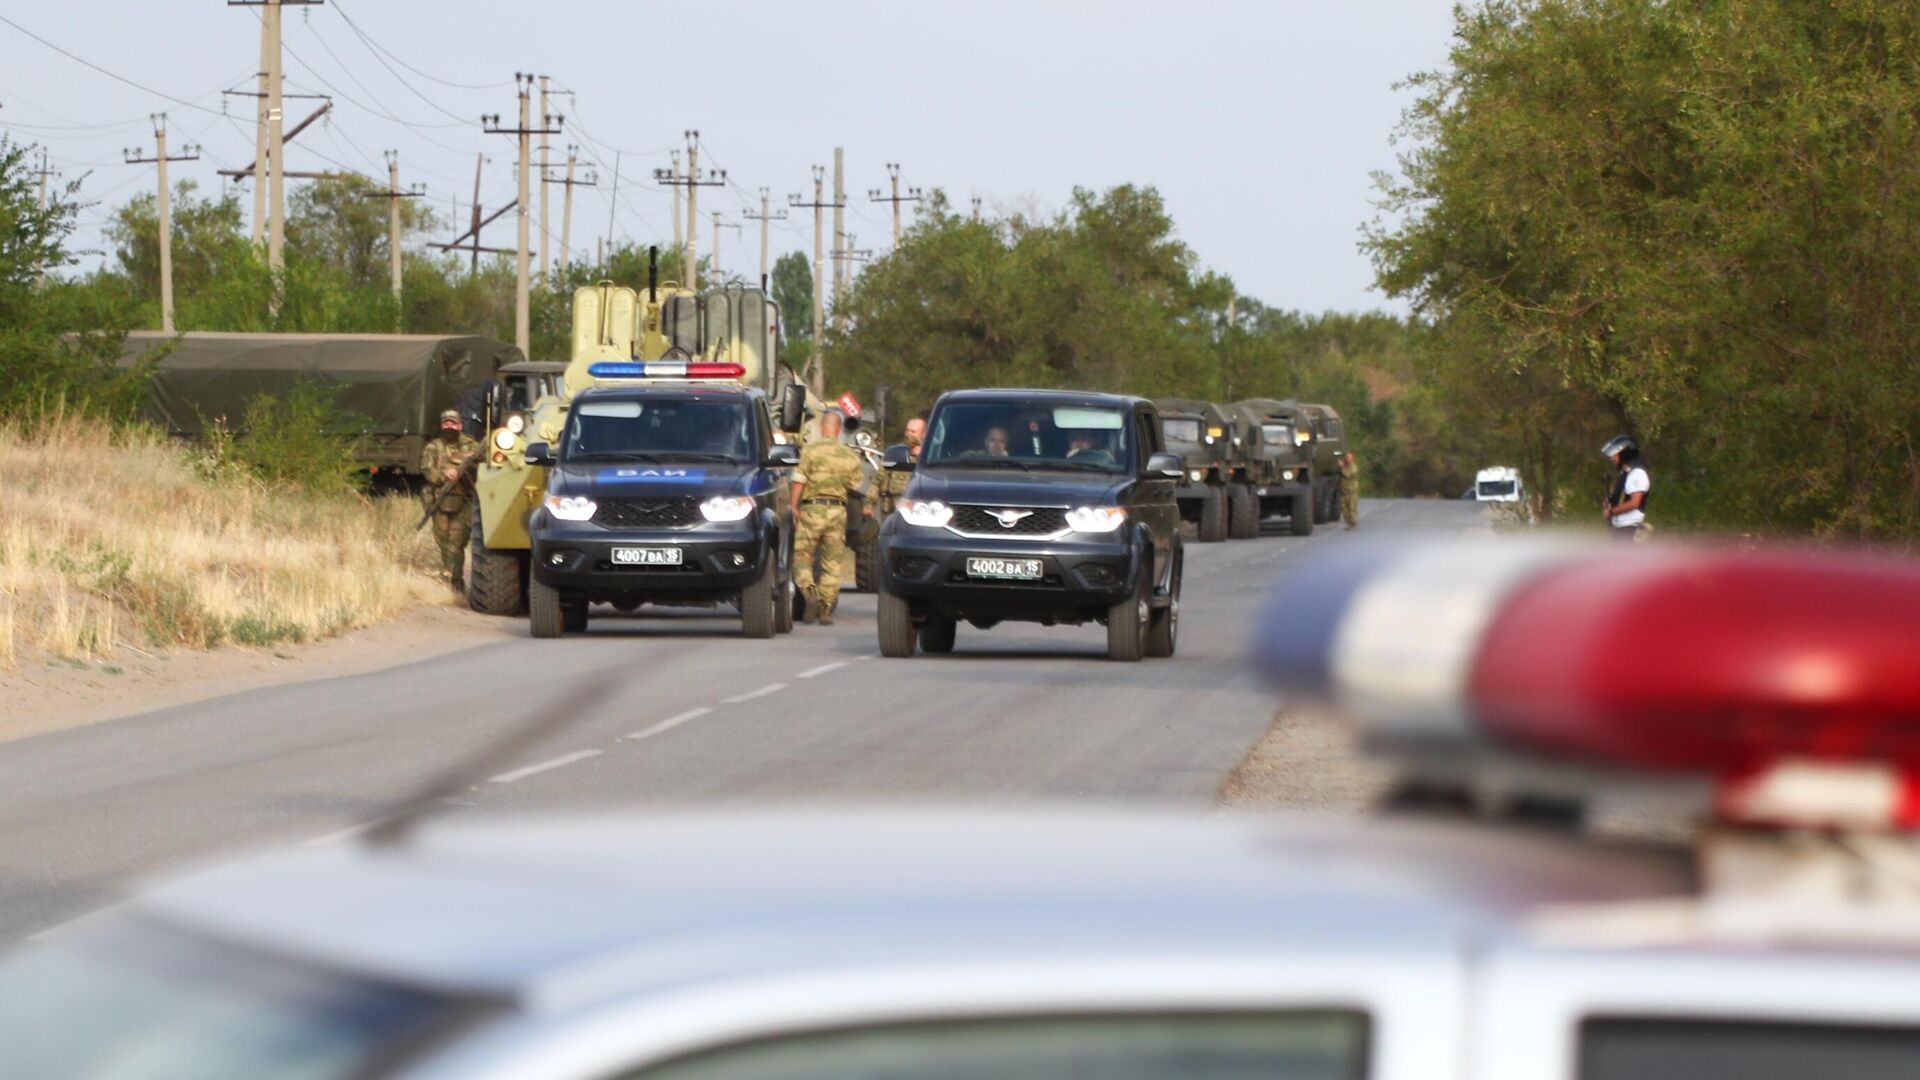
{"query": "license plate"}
{"type": "Point", "coordinates": [646, 556]}
{"type": "Point", "coordinates": [1005, 569]}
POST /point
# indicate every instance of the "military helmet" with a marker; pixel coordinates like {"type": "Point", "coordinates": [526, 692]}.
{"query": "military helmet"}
{"type": "Point", "coordinates": [1617, 444]}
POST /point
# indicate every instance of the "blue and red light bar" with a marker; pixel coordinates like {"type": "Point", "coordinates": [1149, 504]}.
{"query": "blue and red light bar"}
{"type": "Point", "coordinates": [665, 369]}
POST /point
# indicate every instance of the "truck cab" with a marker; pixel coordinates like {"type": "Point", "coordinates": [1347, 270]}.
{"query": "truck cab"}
{"type": "Point", "coordinates": [1201, 433]}
{"type": "Point", "coordinates": [1278, 473]}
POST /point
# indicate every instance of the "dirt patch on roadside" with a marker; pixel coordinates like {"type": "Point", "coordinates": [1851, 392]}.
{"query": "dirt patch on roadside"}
{"type": "Point", "coordinates": [1306, 761]}
{"type": "Point", "coordinates": [53, 695]}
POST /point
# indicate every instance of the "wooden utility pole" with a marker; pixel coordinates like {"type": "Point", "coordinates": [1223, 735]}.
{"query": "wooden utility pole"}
{"type": "Point", "coordinates": [839, 231]}
{"type": "Point", "coordinates": [765, 217]}
{"type": "Point", "coordinates": [816, 361]}
{"type": "Point", "coordinates": [566, 207]}
{"type": "Point", "coordinates": [393, 195]}
{"type": "Point", "coordinates": [692, 182]}
{"type": "Point", "coordinates": [912, 196]}
{"type": "Point", "coordinates": [522, 303]}
{"type": "Point", "coordinates": [159, 160]}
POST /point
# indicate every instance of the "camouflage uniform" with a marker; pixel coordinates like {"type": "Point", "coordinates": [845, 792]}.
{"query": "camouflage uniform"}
{"type": "Point", "coordinates": [1350, 490]}
{"type": "Point", "coordinates": [889, 486]}
{"type": "Point", "coordinates": [452, 519]}
{"type": "Point", "coordinates": [828, 471]}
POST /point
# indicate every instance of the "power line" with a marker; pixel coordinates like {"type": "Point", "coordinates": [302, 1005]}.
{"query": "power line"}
{"type": "Point", "coordinates": [396, 59]}
{"type": "Point", "coordinates": [109, 74]}
{"type": "Point", "coordinates": [328, 49]}
{"type": "Point", "coordinates": [375, 53]}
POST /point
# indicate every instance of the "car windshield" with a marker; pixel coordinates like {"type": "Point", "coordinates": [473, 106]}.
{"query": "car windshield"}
{"type": "Point", "coordinates": [1490, 489]}
{"type": "Point", "coordinates": [1181, 429]}
{"type": "Point", "coordinates": [1277, 437]}
{"type": "Point", "coordinates": [132, 1003]}
{"type": "Point", "coordinates": [1028, 434]}
{"type": "Point", "coordinates": [659, 429]}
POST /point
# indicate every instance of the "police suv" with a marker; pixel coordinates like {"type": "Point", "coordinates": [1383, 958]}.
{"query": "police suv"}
{"type": "Point", "coordinates": [1779, 937]}
{"type": "Point", "coordinates": [668, 489]}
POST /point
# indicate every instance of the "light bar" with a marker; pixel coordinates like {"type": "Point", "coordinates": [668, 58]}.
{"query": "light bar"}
{"type": "Point", "coordinates": [664, 369]}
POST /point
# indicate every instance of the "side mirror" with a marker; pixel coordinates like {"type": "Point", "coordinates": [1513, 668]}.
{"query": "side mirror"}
{"type": "Point", "coordinates": [782, 456]}
{"type": "Point", "coordinates": [539, 453]}
{"type": "Point", "coordinates": [793, 407]}
{"type": "Point", "coordinates": [898, 458]}
{"type": "Point", "coordinates": [1165, 465]}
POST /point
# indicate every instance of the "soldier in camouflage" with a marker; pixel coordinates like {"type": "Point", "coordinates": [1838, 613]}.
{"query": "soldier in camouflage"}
{"type": "Point", "coordinates": [1350, 489]}
{"type": "Point", "coordinates": [827, 472]}
{"type": "Point", "coordinates": [440, 461]}
{"type": "Point", "coordinates": [889, 486]}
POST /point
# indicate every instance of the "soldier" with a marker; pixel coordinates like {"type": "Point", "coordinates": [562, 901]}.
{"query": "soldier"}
{"type": "Point", "coordinates": [828, 471]}
{"type": "Point", "coordinates": [440, 463]}
{"type": "Point", "coordinates": [1350, 489]}
{"type": "Point", "coordinates": [891, 485]}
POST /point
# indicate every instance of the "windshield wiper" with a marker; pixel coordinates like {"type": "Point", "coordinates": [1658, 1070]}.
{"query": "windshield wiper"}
{"type": "Point", "coordinates": [983, 463]}
{"type": "Point", "coordinates": [614, 455]}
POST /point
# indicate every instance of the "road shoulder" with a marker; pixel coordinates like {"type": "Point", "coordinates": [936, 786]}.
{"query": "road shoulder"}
{"type": "Point", "coordinates": [1306, 761]}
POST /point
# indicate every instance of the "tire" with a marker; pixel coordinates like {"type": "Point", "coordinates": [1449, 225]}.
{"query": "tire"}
{"type": "Point", "coordinates": [1243, 513]}
{"type": "Point", "coordinates": [574, 617]}
{"type": "Point", "coordinates": [1329, 498]}
{"type": "Point", "coordinates": [544, 614]}
{"type": "Point", "coordinates": [757, 617]}
{"type": "Point", "coordinates": [1163, 624]}
{"type": "Point", "coordinates": [937, 635]}
{"type": "Point", "coordinates": [783, 598]}
{"type": "Point", "coordinates": [1301, 515]}
{"type": "Point", "coordinates": [865, 562]}
{"type": "Point", "coordinates": [1127, 620]}
{"type": "Point", "coordinates": [897, 636]}
{"type": "Point", "coordinates": [1213, 517]}
{"type": "Point", "coordinates": [496, 579]}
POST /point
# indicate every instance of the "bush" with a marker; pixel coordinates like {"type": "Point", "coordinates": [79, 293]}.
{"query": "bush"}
{"type": "Point", "coordinates": [304, 440]}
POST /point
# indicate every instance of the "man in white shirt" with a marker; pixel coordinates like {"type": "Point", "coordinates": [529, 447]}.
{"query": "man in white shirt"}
{"type": "Point", "coordinates": [1626, 506]}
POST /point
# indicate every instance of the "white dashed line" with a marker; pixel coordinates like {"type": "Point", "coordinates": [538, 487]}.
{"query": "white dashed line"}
{"type": "Point", "coordinates": [770, 688]}
{"type": "Point", "coordinates": [867, 656]}
{"type": "Point", "coordinates": [669, 723]}
{"type": "Point", "coordinates": [545, 766]}
{"type": "Point", "coordinates": [821, 670]}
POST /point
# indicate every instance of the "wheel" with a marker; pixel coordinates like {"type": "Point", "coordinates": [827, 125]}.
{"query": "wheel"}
{"type": "Point", "coordinates": [1163, 627]}
{"type": "Point", "coordinates": [496, 579]}
{"type": "Point", "coordinates": [1325, 495]}
{"type": "Point", "coordinates": [783, 607]}
{"type": "Point", "coordinates": [544, 614]}
{"type": "Point", "coordinates": [1243, 512]}
{"type": "Point", "coordinates": [1213, 517]}
{"type": "Point", "coordinates": [574, 617]}
{"type": "Point", "coordinates": [866, 563]}
{"type": "Point", "coordinates": [1127, 620]}
{"type": "Point", "coordinates": [896, 625]}
{"type": "Point", "coordinates": [937, 634]}
{"type": "Point", "coordinates": [1301, 514]}
{"type": "Point", "coordinates": [757, 616]}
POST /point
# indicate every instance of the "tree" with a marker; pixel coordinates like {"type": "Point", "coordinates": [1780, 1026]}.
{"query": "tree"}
{"type": "Point", "coordinates": [334, 222]}
{"type": "Point", "coordinates": [792, 288]}
{"type": "Point", "coordinates": [207, 236]}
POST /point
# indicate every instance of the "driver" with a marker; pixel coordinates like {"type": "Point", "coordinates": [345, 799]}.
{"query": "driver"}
{"type": "Point", "coordinates": [1085, 442]}
{"type": "Point", "coordinates": [995, 444]}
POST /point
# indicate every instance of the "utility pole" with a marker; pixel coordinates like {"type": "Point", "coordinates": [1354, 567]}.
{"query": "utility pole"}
{"type": "Point", "coordinates": [912, 196]}
{"type": "Point", "coordinates": [43, 172]}
{"type": "Point", "coordinates": [976, 208]}
{"type": "Point", "coordinates": [839, 231]}
{"type": "Point", "coordinates": [474, 230]}
{"type": "Point", "coordinates": [816, 366]}
{"type": "Point", "coordinates": [269, 164]}
{"type": "Point", "coordinates": [714, 260]}
{"type": "Point", "coordinates": [546, 237]}
{"type": "Point", "coordinates": [679, 240]}
{"type": "Point", "coordinates": [851, 254]}
{"type": "Point", "coordinates": [613, 205]}
{"type": "Point", "coordinates": [159, 160]}
{"type": "Point", "coordinates": [693, 182]}
{"type": "Point", "coordinates": [764, 217]}
{"type": "Point", "coordinates": [393, 195]}
{"type": "Point", "coordinates": [566, 207]}
{"type": "Point", "coordinates": [522, 304]}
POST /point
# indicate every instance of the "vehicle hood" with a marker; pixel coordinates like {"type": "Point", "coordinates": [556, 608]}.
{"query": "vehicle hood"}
{"type": "Point", "coordinates": [1010, 487]}
{"type": "Point", "coordinates": [702, 479]}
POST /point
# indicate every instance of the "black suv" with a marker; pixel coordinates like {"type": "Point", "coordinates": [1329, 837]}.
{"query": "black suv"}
{"type": "Point", "coordinates": [1040, 506]}
{"type": "Point", "coordinates": [666, 493]}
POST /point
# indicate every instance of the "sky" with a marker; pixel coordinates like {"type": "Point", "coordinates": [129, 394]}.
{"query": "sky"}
{"type": "Point", "coordinates": [1260, 123]}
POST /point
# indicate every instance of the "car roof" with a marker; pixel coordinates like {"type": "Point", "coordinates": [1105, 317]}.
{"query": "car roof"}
{"type": "Point", "coordinates": [687, 387]}
{"type": "Point", "coordinates": [585, 910]}
{"type": "Point", "coordinates": [1063, 397]}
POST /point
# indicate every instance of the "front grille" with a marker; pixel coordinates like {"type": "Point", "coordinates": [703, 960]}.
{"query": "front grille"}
{"type": "Point", "coordinates": [672, 512]}
{"type": "Point", "coordinates": [979, 521]}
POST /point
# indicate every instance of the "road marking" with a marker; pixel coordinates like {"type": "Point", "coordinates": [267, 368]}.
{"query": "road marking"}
{"type": "Point", "coordinates": [669, 723]}
{"type": "Point", "coordinates": [770, 688]}
{"type": "Point", "coordinates": [866, 656]}
{"type": "Point", "coordinates": [545, 766]}
{"type": "Point", "coordinates": [348, 833]}
{"type": "Point", "coordinates": [821, 670]}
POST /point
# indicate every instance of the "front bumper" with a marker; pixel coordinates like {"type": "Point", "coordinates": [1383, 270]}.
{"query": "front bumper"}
{"type": "Point", "coordinates": [717, 559]}
{"type": "Point", "coordinates": [1082, 574]}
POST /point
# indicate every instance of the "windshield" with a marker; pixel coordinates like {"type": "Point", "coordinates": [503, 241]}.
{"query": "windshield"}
{"type": "Point", "coordinates": [1028, 434]}
{"type": "Point", "coordinates": [132, 1003]}
{"type": "Point", "coordinates": [659, 429]}
{"type": "Point", "coordinates": [1490, 489]}
{"type": "Point", "coordinates": [1181, 429]}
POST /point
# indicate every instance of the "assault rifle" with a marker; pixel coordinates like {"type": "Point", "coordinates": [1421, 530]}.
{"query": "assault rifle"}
{"type": "Point", "coordinates": [463, 477]}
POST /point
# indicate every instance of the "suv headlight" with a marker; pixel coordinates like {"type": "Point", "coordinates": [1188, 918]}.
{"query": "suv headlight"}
{"type": "Point", "coordinates": [1287, 475]}
{"type": "Point", "coordinates": [1096, 519]}
{"type": "Point", "coordinates": [571, 507]}
{"type": "Point", "coordinates": [929, 514]}
{"type": "Point", "coordinates": [727, 507]}
{"type": "Point", "coordinates": [1197, 475]}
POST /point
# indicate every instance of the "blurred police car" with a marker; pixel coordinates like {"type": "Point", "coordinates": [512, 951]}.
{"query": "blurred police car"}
{"type": "Point", "coordinates": [1779, 940]}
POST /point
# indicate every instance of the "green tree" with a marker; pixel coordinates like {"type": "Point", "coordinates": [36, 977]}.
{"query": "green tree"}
{"type": "Point", "coordinates": [343, 223]}
{"type": "Point", "coordinates": [207, 237]}
{"type": "Point", "coordinates": [792, 288]}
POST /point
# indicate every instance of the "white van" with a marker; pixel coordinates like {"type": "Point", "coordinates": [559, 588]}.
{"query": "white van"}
{"type": "Point", "coordinates": [1499, 484]}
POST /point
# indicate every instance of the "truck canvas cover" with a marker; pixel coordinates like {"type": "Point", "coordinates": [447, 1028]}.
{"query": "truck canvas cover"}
{"type": "Point", "coordinates": [400, 382]}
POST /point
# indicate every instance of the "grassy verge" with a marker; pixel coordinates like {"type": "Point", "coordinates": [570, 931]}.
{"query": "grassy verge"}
{"type": "Point", "coordinates": [123, 539]}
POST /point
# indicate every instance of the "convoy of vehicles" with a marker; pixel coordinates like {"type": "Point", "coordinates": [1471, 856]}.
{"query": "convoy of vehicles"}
{"type": "Point", "coordinates": [1277, 473]}
{"type": "Point", "coordinates": [1042, 506]}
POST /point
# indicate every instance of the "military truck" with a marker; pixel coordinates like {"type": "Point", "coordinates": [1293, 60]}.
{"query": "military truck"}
{"type": "Point", "coordinates": [1201, 433]}
{"type": "Point", "coordinates": [614, 326]}
{"type": "Point", "coordinates": [400, 383]}
{"type": "Point", "coordinates": [1276, 472]}
{"type": "Point", "coordinates": [1329, 445]}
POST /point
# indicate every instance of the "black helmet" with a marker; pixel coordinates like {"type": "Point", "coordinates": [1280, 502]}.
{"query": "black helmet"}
{"type": "Point", "coordinates": [1619, 444]}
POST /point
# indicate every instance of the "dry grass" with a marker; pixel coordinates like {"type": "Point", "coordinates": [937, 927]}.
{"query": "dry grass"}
{"type": "Point", "coordinates": [109, 541]}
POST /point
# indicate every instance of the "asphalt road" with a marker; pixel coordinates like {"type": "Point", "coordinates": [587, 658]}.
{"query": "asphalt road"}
{"type": "Point", "coordinates": [692, 713]}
